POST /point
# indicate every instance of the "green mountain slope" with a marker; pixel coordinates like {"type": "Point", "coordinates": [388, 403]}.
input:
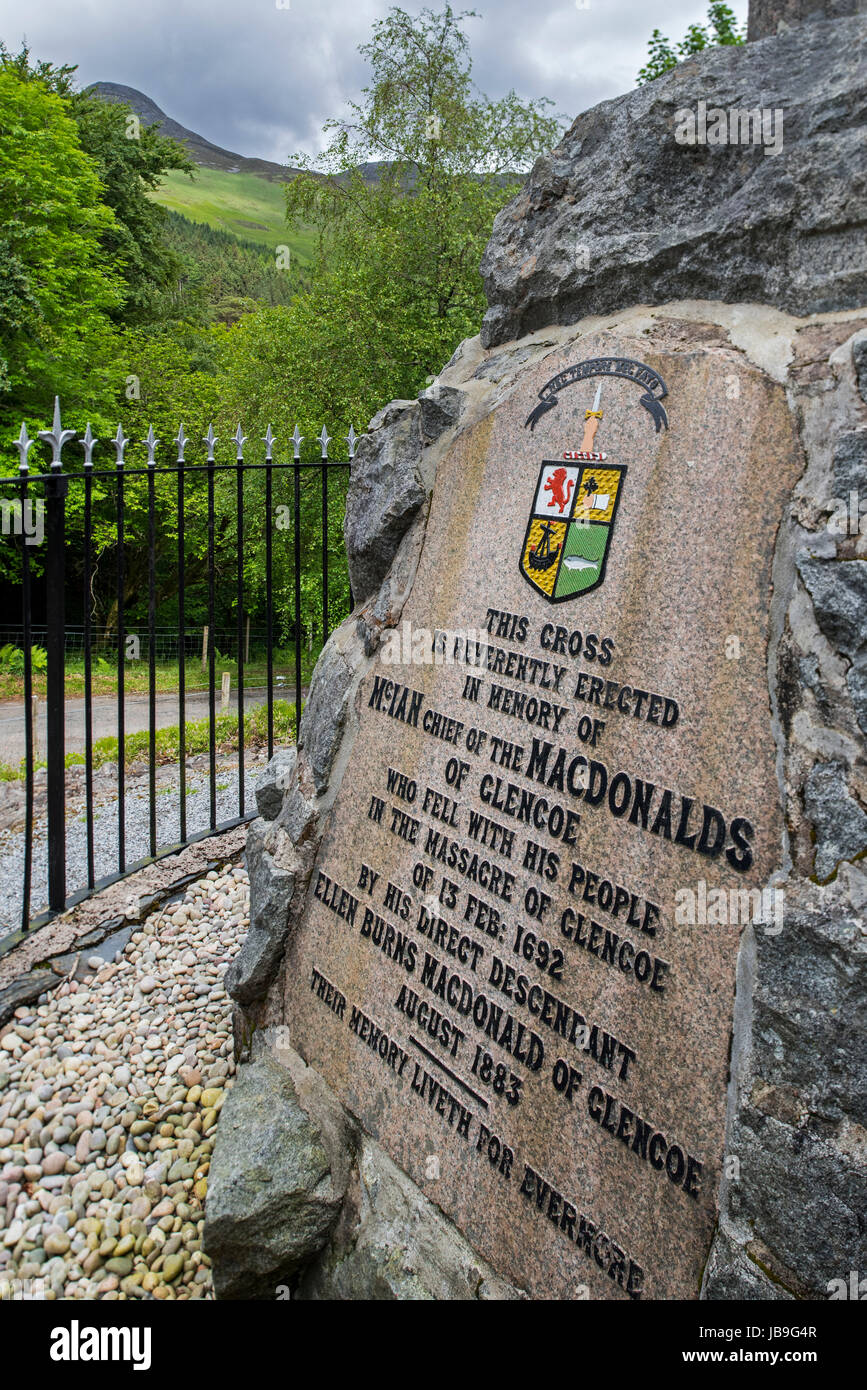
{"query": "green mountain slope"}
{"type": "Point", "coordinates": [230, 192]}
{"type": "Point", "coordinates": [246, 205]}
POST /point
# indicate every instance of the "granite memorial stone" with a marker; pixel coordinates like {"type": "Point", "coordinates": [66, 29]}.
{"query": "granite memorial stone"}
{"type": "Point", "coordinates": [561, 903]}
{"type": "Point", "coordinates": [563, 744]}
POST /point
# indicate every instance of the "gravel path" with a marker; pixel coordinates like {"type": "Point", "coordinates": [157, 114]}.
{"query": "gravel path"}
{"type": "Point", "coordinates": [105, 832]}
{"type": "Point", "coordinates": [110, 1092]}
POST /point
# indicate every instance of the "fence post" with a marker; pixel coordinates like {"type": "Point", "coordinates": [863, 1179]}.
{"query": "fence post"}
{"type": "Point", "coordinates": [351, 439]}
{"type": "Point", "coordinates": [34, 716]}
{"type": "Point", "coordinates": [211, 440]}
{"type": "Point", "coordinates": [25, 444]}
{"type": "Point", "coordinates": [240, 441]}
{"type": "Point", "coordinates": [181, 442]}
{"type": "Point", "coordinates": [204, 648]}
{"type": "Point", "coordinates": [226, 691]}
{"type": "Point", "coordinates": [55, 556]}
{"type": "Point", "coordinates": [296, 536]}
{"type": "Point", "coordinates": [247, 644]}
{"type": "Point", "coordinates": [120, 443]}
{"type": "Point", "coordinates": [324, 441]}
{"type": "Point", "coordinates": [269, 576]}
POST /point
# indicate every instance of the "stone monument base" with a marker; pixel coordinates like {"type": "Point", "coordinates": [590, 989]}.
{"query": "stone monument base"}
{"type": "Point", "coordinates": [301, 1197]}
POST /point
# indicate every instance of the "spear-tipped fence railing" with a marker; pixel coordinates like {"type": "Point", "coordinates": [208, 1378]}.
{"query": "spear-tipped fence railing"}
{"type": "Point", "coordinates": [54, 486]}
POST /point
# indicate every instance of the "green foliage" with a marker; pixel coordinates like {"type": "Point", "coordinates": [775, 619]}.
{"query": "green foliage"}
{"type": "Point", "coordinates": [197, 736]}
{"type": "Point", "coordinates": [82, 243]}
{"type": "Point", "coordinates": [220, 277]}
{"type": "Point", "coordinates": [661, 57]}
{"type": "Point", "coordinates": [176, 379]}
{"type": "Point", "coordinates": [724, 25]}
{"type": "Point", "coordinates": [722, 30]}
{"type": "Point", "coordinates": [130, 160]}
{"type": "Point", "coordinates": [127, 310]}
{"type": "Point", "coordinates": [56, 287]}
{"type": "Point", "coordinates": [12, 659]}
{"type": "Point", "coordinates": [396, 283]}
{"type": "Point", "coordinates": [130, 168]}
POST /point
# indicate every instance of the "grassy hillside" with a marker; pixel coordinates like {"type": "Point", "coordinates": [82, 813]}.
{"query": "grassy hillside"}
{"type": "Point", "coordinates": [245, 205]}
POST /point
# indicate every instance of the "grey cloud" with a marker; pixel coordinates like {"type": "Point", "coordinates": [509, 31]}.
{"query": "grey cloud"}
{"type": "Point", "coordinates": [262, 80]}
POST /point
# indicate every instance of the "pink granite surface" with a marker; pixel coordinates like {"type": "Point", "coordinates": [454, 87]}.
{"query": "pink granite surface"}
{"type": "Point", "coordinates": [578, 1209]}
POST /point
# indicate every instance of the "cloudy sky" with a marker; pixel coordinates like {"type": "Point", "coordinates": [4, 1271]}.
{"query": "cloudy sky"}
{"type": "Point", "coordinates": [261, 76]}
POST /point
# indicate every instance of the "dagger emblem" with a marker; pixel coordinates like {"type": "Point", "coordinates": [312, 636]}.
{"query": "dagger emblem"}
{"type": "Point", "coordinates": [592, 418]}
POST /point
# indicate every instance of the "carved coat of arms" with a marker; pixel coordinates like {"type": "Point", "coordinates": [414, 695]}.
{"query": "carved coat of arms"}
{"type": "Point", "coordinates": [574, 506]}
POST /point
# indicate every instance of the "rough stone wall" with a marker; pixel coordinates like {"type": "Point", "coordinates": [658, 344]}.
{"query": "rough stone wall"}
{"type": "Point", "coordinates": [771, 17]}
{"type": "Point", "coordinates": [778, 248]}
{"type": "Point", "coordinates": [792, 1215]}
{"type": "Point", "coordinates": [619, 213]}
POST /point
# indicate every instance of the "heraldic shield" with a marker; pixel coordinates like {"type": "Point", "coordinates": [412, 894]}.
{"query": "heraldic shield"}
{"type": "Point", "coordinates": [569, 531]}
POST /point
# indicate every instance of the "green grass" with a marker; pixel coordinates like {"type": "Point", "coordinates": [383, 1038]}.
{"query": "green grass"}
{"type": "Point", "coordinates": [104, 674]}
{"type": "Point", "coordinates": [246, 205]}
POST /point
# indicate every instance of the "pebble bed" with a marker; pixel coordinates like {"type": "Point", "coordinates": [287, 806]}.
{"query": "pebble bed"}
{"type": "Point", "coordinates": [110, 1093]}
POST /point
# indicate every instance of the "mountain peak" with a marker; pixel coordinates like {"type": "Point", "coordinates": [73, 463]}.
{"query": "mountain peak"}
{"type": "Point", "coordinates": [202, 151]}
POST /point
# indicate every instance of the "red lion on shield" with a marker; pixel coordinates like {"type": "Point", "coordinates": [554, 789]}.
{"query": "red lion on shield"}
{"type": "Point", "coordinates": [554, 485]}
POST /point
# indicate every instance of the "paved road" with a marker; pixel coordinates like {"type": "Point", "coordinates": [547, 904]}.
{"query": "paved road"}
{"type": "Point", "coordinates": [105, 716]}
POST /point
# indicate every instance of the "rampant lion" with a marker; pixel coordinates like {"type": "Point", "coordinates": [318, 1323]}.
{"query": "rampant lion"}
{"type": "Point", "coordinates": [554, 485]}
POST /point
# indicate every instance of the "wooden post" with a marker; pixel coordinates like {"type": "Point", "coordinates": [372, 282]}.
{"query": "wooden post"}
{"type": "Point", "coordinates": [204, 649]}
{"type": "Point", "coordinates": [34, 716]}
{"type": "Point", "coordinates": [247, 644]}
{"type": "Point", "coordinates": [227, 686]}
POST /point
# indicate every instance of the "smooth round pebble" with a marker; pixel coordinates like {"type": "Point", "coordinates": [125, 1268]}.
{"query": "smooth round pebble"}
{"type": "Point", "coordinates": [110, 1091]}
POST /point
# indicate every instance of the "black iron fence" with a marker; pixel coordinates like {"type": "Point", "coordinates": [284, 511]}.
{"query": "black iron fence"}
{"type": "Point", "coordinates": [35, 508]}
